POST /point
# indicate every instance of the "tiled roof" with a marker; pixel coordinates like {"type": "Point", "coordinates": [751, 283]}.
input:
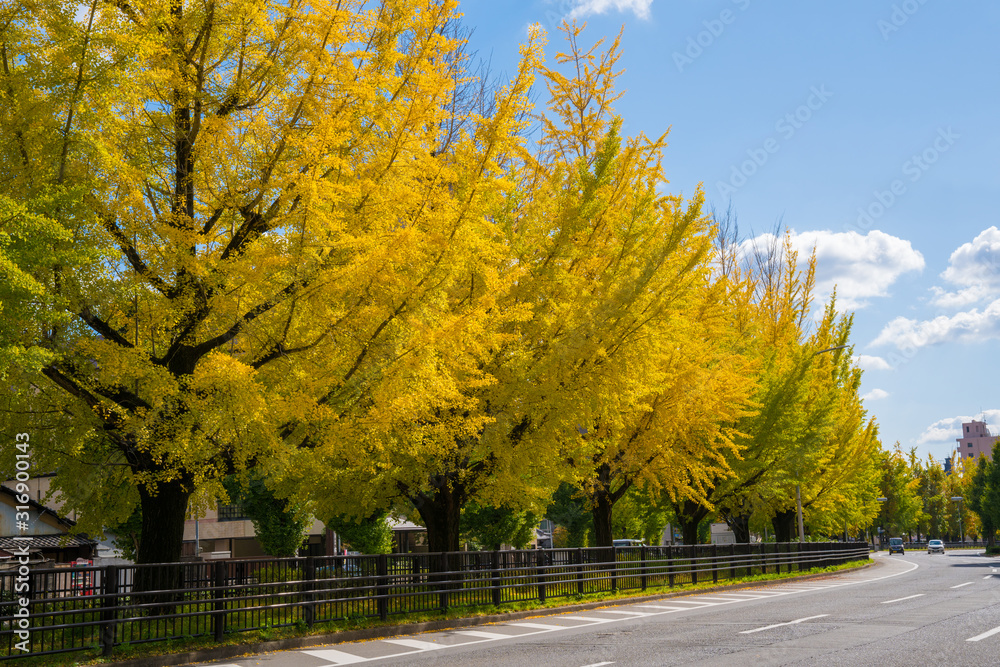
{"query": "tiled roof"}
{"type": "Point", "coordinates": [10, 545]}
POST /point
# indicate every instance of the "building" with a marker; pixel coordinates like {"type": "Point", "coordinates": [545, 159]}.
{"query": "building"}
{"type": "Point", "coordinates": [51, 535]}
{"type": "Point", "coordinates": [225, 532]}
{"type": "Point", "coordinates": [976, 442]}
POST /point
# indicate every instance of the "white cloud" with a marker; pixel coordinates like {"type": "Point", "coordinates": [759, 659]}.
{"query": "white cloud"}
{"type": "Point", "coordinates": [973, 326]}
{"type": "Point", "coordinates": [875, 395]}
{"type": "Point", "coordinates": [974, 268]}
{"type": "Point", "coordinates": [861, 267]}
{"type": "Point", "coordinates": [947, 431]}
{"type": "Point", "coordinates": [870, 363]}
{"type": "Point", "coordinates": [587, 7]}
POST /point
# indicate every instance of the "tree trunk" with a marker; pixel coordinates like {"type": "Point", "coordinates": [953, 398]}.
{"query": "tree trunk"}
{"type": "Point", "coordinates": [603, 536]}
{"type": "Point", "coordinates": [740, 525]}
{"type": "Point", "coordinates": [163, 514]}
{"type": "Point", "coordinates": [689, 515]}
{"type": "Point", "coordinates": [784, 525]}
{"type": "Point", "coordinates": [441, 512]}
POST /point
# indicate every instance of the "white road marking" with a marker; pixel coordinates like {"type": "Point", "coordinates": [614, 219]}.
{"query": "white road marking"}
{"type": "Point", "coordinates": [659, 606]}
{"type": "Point", "coordinates": [629, 613]}
{"type": "Point", "coordinates": [538, 626]}
{"type": "Point", "coordinates": [968, 583]}
{"type": "Point", "coordinates": [717, 600]}
{"type": "Point", "coordinates": [778, 625]}
{"type": "Point", "coordinates": [988, 633]}
{"type": "Point", "coordinates": [336, 657]}
{"type": "Point", "coordinates": [341, 658]}
{"type": "Point", "coordinates": [908, 597]}
{"type": "Point", "coordinates": [599, 664]}
{"type": "Point", "coordinates": [988, 576]}
{"type": "Point", "coordinates": [415, 643]}
{"type": "Point", "coordinates": [744, 596]}
{"type": "Point", "coordinates": [482, 635]}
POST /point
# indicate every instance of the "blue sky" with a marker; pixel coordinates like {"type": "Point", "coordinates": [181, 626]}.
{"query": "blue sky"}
{"type": "Point", "coordinates": [869, 128]}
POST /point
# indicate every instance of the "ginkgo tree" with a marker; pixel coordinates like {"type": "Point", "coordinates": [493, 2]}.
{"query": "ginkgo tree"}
{"type": "Point", "coordinates": [598, 283]}
{"type": "Point", "coordinates": [248, 207]}
{"type": "Point", "coordinates": [807, 436]}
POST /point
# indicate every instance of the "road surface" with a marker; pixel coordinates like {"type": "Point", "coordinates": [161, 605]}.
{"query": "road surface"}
{"type": "Point", "coordinates": [910, 609]}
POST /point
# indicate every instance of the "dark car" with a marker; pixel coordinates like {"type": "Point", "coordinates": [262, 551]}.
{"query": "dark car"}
{"type": "Point", "coordinates": [895, 544]}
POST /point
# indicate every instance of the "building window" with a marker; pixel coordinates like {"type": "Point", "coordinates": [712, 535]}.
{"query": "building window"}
{"type": "Point", "coordinates": [966, 429]}
{"type": "Point", "coordinates": [970, 444]}
{"type": "Point", "coordinates": [235, 512]}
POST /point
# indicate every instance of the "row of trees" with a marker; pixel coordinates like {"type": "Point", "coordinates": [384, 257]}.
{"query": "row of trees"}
{"type": "Point", "coordinates": [307, 241]}
{"type": "Point", "coordinates": [923, 500]}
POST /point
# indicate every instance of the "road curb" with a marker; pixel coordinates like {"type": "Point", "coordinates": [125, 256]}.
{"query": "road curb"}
{"type": "Point", "coordinates": [349, 636]}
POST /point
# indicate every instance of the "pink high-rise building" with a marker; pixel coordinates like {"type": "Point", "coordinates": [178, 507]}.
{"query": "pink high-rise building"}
{"type": "Point", "coordinates": [976, 441]}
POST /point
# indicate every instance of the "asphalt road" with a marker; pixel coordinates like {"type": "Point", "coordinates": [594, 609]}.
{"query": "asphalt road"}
{"type": "Point", "coordinates": [907, 610]}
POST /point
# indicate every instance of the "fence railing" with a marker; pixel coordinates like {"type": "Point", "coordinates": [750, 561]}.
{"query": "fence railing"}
{"type": "Point", "coordinates": [99, 608]}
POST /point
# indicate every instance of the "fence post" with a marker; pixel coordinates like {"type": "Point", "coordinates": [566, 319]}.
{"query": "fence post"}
{"type": "Point", "coordinates": [382, 589]}
{"type": "Point", "coordinates": [715, 563]}
{"type": "Point", "coordinates": [109, 582]}
{"type": "Point", "coordinates": [444, 582]}
{"type": "Point", "coordinates": [309, 574]}
{"type": "Point", "coordinates": [495, 588]}
{"type": "Point", "coordinates": [219, 595]}
{"type": "Point", "coordinates": [694, 564]}
{"type": "Point", "coordinates": [670, 565]}
{"type": "Point", "coordinates": [614, 569]}
{"type": "Point", "coordinates": [642, 557]}
{"type": "Point", "coordinates": [540, 573]}
{"type": "Point", "coordinates": [798, 554]}
{"type": "Point", "coordinates": [578, 557]}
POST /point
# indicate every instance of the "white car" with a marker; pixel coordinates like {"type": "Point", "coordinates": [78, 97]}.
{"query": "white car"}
{"type": "Point", "coordinates": [935, 547]}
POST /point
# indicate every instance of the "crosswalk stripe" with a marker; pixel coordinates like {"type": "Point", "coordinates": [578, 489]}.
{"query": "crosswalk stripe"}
{"type": "Point", "coordinates": [659, 606]}
{"type": "Point", "coordinates": [537, 626]}
{"type": "Point", "coordinates": [336, 657]}
{"type": "Point", "coordinates": [624, 613]}
{"type": "Point", "coordinates": [483, 635]}
{"type": "Point", "coordinates": [415, 643]}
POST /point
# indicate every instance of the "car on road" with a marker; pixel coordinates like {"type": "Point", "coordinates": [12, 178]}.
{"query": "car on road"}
{"type": "Point", "coordinates": [935, 547]}
{"type": "Point", "coordinates": [895, 544]}
{"type": "Point", "coordinates": [627, 542]}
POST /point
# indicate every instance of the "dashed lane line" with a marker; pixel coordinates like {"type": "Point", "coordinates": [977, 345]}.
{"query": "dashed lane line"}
{"type": "Point", "coordinates": [968, 583]}
{"type": "Point", "coordinates": [778, 625]}
{"type": "Point", "coordinates": [908, 597]}
{"type": "Point", "coordinates": [988, 633]}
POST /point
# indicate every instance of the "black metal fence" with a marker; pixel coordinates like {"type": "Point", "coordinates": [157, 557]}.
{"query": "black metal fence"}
{"type": "Point", "coordinates": [98, 608]}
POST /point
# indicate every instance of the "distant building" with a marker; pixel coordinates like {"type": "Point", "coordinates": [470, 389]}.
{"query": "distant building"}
{"type": "Point", "coordinates": [51, 534]}
{"type": "Point", "coordinates": [976, 442]}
